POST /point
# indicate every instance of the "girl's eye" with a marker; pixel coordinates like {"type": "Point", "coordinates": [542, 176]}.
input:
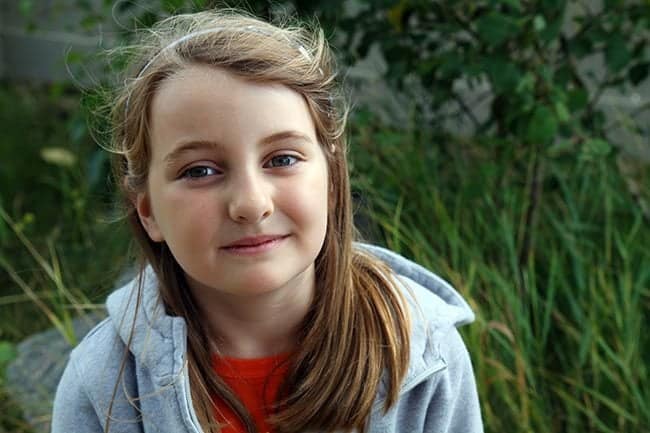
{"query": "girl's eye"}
{"type": "Point", "coordinates": [282, 161]}
{"type": "Point", "coordinates": [199, 171]}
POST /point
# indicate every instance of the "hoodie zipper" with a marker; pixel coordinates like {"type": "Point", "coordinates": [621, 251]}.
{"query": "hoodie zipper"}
{"type": "Point", "coordinates": [187, 407]}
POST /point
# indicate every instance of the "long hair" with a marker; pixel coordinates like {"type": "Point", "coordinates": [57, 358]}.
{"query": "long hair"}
{"type": "Point", "coordinates": [357, 330]}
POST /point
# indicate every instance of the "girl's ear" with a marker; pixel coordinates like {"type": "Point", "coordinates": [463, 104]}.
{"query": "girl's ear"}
{"type": "Point", "coordinates": [147, 219]}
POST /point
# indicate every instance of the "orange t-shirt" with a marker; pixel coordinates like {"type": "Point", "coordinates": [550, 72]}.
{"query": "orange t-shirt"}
{"type": "Point", "coordinates": [255, 382]}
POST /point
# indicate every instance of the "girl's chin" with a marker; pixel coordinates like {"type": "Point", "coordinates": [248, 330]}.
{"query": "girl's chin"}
{"type": "Point", "coordinates": [246, 286]}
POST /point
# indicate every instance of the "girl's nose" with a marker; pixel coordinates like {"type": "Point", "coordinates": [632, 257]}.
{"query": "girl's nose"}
{"type": "Point", "coordinates": [250, 199]}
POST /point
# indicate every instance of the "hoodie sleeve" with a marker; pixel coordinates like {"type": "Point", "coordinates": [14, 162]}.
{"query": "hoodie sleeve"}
{"type": "Point", "coordinates": [73, 410]}
{"type": "Point", "coordinates": [454, 405]}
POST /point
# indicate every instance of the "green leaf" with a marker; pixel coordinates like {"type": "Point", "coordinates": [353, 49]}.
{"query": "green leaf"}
{"type": "Point", "coordinates": [496, 28]}
{"type": "Point", "coordinates": [553, 4]}
{"type": "Point", "coordinates": [526, 83]}
{"type": "Point", "coordinates": [560, 148]}
{"type": "Point", "coordinates": [514, 4]}
{"type": "Point", "coordinates": [563, 75]}
{"type": "Point", "coordinates": [562, 112]}
{"type": "Point", "coordinates": [639, 73]}
{"type": "Point", "coordinates": [552, 30]}
{"type": "Point", "coordinates": [503, 74]}
{"type": "Point", "coordinates": [450, 65]}
{"type": "Point", "coordinates": [617, 53]}
{"type": "Point", "coordinates": [26, 7]}
{"type": "Point", "coordinates": [596, 147]}
{"type": "Point", "coordinates": [581, 47]}
{"type": "Point", "coordinates": [539, 23]}
{"type": "Point", "coordinates": [7, 352]}
{"type": "Point", "coordinates": [610, 4]}
{"type": "Point", "coordinates": [596, 33]}
{"type": "Point", "coordinates": [577, 99]}
{"type": "Point", "coordinates": [542, 126]}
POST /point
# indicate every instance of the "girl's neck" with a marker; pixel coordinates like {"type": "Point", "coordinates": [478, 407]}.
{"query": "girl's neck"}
{"type": "Point", "coordinates": [257, 326]}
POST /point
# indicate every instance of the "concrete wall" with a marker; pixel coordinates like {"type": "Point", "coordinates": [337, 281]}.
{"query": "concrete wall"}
{"type": "Point", "coordinates": [39, 53]}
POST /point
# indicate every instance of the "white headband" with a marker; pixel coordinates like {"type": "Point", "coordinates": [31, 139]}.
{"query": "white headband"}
{"type": "Point", "coordinates": [188, 36]}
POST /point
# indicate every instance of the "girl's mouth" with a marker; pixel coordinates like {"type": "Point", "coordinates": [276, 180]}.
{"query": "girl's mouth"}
{"type": "Point", "coordinates": [256, 248]}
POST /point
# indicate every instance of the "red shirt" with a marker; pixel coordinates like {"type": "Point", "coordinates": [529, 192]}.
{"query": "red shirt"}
{"type": "Point", "coordinates": [256, 383]}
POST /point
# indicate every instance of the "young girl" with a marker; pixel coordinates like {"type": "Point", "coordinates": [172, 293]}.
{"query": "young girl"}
{"type": "Point", "coordinates": [254, 310]}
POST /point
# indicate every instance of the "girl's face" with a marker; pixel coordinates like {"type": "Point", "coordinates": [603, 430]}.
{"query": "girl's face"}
{"type": "Point", "coordinates": [232, 159]}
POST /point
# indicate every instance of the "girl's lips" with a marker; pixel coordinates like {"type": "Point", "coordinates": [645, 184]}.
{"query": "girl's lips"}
{"type": "Point", "coordinates": [263, 247]}
{"type": "Point", "coordinates": [253, 240]}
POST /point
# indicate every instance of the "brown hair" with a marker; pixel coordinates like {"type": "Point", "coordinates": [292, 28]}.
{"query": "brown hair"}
{"type": "Point", "coordinates": [358, 327]}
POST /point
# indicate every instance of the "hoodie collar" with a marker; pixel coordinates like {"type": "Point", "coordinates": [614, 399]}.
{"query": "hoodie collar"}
{"type": "Point", "coordinates": [435, 307]}
{"type": "Point", "coordinates": [156, 340]}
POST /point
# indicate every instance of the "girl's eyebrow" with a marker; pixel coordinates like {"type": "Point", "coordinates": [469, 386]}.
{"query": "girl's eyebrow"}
{"type": "Point", "coordinates": [176, 154]}
{"type": "Point", "coordinates": [284, 135]}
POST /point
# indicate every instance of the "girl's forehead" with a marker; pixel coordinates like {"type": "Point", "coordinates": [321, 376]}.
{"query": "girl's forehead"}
{"type": "Point", "coordinates": [208, 103]}
{"type": "Point", "coordinates": [206, 85]}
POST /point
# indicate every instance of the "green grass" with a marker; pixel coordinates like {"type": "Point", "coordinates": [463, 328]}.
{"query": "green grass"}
{"type": "Point", "coordinates": [559, 344]}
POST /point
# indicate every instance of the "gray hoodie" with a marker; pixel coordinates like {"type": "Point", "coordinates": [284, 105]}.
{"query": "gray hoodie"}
{"type": "Point", "coordinates": [438, 394]}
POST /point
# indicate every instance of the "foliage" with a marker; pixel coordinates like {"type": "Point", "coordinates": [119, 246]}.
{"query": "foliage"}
{"type": "Point", "coordinates": [558, 345]}
{"type": "Point", "coordinates": [530, 54]}
{"type": "Point", "coordinates": [46, 237]}
{"type": "Point", "coordinates": [60, 252]}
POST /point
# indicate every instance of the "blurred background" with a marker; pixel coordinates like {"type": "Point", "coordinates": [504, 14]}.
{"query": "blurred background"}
{"type": "Point", "coordinates": [502, 144]}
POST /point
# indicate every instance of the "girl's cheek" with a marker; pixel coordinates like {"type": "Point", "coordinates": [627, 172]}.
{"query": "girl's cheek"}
{"type": "Point", "coordinates": [187, 207]}
{"type": "Point", "coordinates": [315, 193]}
